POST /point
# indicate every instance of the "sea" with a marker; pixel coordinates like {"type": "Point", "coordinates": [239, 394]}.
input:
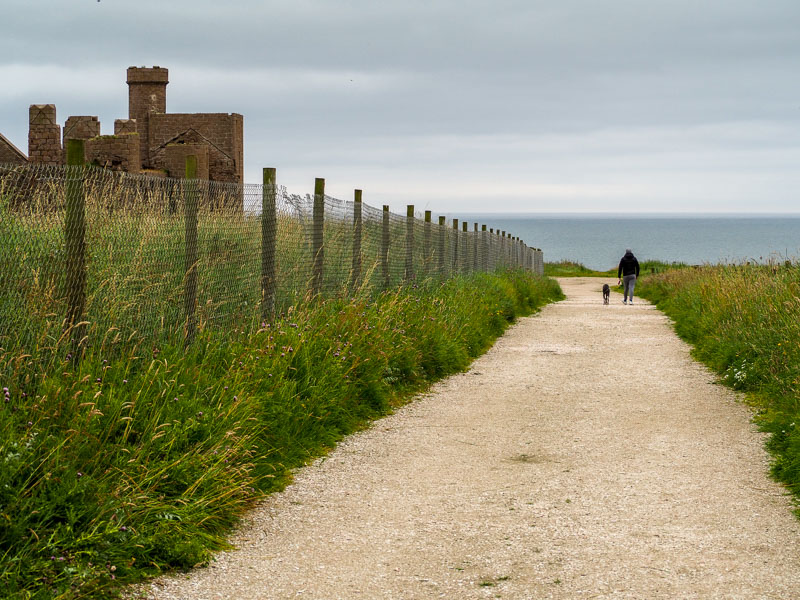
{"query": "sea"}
{"type": "Point", "coordinates": [599, 240]}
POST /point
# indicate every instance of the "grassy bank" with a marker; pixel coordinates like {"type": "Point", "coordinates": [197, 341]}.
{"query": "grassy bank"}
{"type": "Point", "coordinates": [132, 462]}
{"type": "Point", "coordinates": [567, 268]}
{"type": "Point", "coordinates": [744, 323]}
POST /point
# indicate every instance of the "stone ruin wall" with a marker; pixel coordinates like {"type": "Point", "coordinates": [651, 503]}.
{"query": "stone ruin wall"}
{"type": "Point", "coordinates": [10, 154]}
{"type": "Point", "coordinates": [115, 152]}
{"type": "Point", "coordinates": [221, 133]}
{"type": "Point", "coordinates": [149, 132]}
{"type": "Point", "coordinates": [78, 128]}
{"type": "Point", "coordinates": [44, 135]}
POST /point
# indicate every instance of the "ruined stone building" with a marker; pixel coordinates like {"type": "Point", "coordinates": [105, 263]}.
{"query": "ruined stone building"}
{"type": "Point", "coordinates": [150, 140]}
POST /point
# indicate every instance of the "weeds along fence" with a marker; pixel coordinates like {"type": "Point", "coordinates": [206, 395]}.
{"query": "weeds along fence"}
{"type": "Point", "coordinates": [90, 254]}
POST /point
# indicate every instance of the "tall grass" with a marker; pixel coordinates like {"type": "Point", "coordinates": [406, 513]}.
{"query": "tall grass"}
{"type": "Point", "coordinates": [744, 323]}
{"type": "Point", "coordinates": [140, 457]}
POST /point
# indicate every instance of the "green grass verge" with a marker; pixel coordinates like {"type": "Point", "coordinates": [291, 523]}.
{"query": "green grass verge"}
{"type": "Point", "coordinates": [744, 323]}
{"type": "Point", "coordinates": [566, 268]}
{"type": "Point", "coordinates": [135, 462]}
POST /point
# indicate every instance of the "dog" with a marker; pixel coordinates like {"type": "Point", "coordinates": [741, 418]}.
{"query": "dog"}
{"type": "Point", "coordinates": [606, 293]}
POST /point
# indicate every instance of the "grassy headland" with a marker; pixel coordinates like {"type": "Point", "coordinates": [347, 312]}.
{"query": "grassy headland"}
{"type": "Point", "coordinates": [744, 323]}
{"type": "Point", "coordinates": [139, 460]}
{"type": "Point", "coordinates": [567, 268]}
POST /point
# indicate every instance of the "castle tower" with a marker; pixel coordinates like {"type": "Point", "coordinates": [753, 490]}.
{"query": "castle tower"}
{"type": "Point", "coordinates": [44, 135]}
{"type": "Point", "coordinates": [147, 93]}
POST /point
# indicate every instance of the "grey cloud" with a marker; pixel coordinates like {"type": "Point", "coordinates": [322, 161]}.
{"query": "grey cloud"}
{"type": "Point", "coordinates": [679, 98]}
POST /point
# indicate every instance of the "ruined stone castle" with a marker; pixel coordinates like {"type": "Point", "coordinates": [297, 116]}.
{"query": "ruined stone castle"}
{"type": "Point", "coordinates": [150, 140]}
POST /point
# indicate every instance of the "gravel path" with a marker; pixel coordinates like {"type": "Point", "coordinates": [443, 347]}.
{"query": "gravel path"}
{"type": "Point", "coordinates": [585, 456]}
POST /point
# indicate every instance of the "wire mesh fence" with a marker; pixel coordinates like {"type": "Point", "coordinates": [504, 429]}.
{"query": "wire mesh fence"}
{"type": "Point", "coordinates": [89, 253]}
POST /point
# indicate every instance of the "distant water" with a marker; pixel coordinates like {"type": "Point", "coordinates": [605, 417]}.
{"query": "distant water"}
{"type": "Point", "coordinates": [598, 241]}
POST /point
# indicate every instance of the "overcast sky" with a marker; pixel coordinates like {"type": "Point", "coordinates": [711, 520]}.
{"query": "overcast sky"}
{"type": "Point", "coordinates": [452, 105]}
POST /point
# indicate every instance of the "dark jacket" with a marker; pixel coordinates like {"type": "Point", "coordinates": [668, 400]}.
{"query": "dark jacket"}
{"type": "Point", "coordinates": [628, 265]}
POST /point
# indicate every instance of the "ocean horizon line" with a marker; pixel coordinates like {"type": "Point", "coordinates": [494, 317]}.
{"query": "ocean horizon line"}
{"type": "Point", "coordinates": [630, 215]}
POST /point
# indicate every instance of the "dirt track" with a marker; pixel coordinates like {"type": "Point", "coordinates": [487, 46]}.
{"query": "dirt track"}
{"type": "Point", "coordinates": [585, 456]}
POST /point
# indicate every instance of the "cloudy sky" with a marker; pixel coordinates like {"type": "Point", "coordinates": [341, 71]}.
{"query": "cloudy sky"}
{"type": "Point", "coordinates": [452, 105]}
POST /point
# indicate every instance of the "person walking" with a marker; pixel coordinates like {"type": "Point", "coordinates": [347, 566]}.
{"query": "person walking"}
{"type": "Point", "coordinates": [627, 272]}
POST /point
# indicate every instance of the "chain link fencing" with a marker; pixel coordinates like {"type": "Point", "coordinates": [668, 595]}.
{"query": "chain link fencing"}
{"type": "Point", "coordinates": [91, 254]}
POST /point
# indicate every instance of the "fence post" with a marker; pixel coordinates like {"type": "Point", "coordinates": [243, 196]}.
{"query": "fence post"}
{"type": "Point", "coordinates": [269, 227]}
{"type": "Point", "coordinates": [190, 265]}
{"type": "Point", "coordinates": [475, 248]}
{"type": "Point", "coordinates": [492, 250]}
{"type": "Point", "coordinates": [455, 246]}
{"type": "Point", "coordinates": [355, 276]}
{"type": "Point", "coordinates": [426, 244]}
{"type": "Point", "coordinates": [484, 250]}
{"type": "Point", "coordinates": [317, 232]}
{"type": "Point", "coordinates": [385, 247]}
{"type": "Point", "coordinates": [409, 275]}
{"type": "Point", "coordinates": [464, 250]}
{"type": "Point", "coordinates": [442, 238]}
{"type": "Point", "coordinates": [75, 240]}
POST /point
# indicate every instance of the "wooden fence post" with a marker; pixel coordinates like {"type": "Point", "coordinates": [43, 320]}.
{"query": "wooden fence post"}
{"type": "Point", "coordinates": [426, 244]}
{"type": "Point", "coordinates": [484, 250]}
{"type": "Point", "coordinates": [355, 276]}
{"type": "Point", "coordinates": [464, 253]}
{"type": "Point", "coordinates": [190, 264]}
{"type": "Point", "coordinates": [409, 274]}
{"type": "Point", "coordinates": [75, 241]}
{"type": "Point", "coordinates": [442, 246]}
{"type": "Point", "coordinates": [475, 248]}
{"type": "Point", "coordinates": [385, 247]}
{"type": "Point", "coordinates": [455, 246]}
{"type": "Point", "coordinates": [492, 250]}
{"type": "Point", "coordinates": [317, 238]}
{"type": "Point", "coordinates": [269, 230]}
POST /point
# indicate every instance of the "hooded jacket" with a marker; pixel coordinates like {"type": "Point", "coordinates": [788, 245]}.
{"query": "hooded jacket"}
{"type": "Point", "coordinates": [628, 265]}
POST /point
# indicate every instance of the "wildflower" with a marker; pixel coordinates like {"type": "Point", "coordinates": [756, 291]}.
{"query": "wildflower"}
{"type": "Point", "coordinates": [200, 414]}
{"type": "Point", "coordinates": [123, 528]}
{"type": "Point", "coordinates": [124, 381]}
{"type": "Point", "coordinates": [226, 388]}
{"type": "Point", "coordinates": [98, 380]}
{"type": "Point", "coordinates": [79, 474]}
{"type": "Point", "coordinates": [5, 391]}
{"type": "Point", "coordinates": [235, 397]}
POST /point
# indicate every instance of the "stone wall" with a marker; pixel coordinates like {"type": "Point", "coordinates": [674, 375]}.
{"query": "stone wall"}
{"type": "Point", "coordinates": [175, 159]}
{"type": "Point", "coordinates": [123, 126]}
{"type": "Point", "coordinates": [223, 133]}
{"type": "Point", "coordinates": [44, 135]}
{"type": "Point", "coordinates": [79, 128]}
{"type": "Point", "coordinates": [116, 152]}
{"type": "Point", "coordinates": [10, 154]}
